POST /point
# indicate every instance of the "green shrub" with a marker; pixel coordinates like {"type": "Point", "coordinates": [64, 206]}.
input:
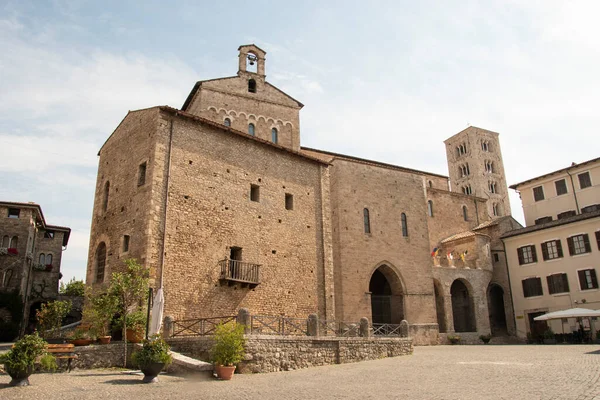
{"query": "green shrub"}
{"type": "Point", "coordinates": [72, 288]}
{"type": "Point", "coordinates": [50, 317]}
{"type": "Point", "coordinates": [229, 343]}
{"type": "Point", "coordinates": [154, 350]}
{"type": "Point", "coordinates": [24, 353]}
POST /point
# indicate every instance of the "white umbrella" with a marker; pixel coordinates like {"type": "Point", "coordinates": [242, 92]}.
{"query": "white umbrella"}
{"type": "Point", "coordinates": [570, 313]}
{"type": "Point", "coordinates": [157, 313]}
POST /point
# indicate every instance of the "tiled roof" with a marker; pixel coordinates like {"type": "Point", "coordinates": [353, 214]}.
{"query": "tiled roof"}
{"type": "Point", "coordinates": [462, 235]}
{"type": "Point", "coordinates": [551, 224]}
{"type": "Point", "coordinates": [38, 208]}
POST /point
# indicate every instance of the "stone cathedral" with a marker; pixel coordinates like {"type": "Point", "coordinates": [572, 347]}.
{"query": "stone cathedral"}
{"type": "Point", "coordinates": [227, 210]}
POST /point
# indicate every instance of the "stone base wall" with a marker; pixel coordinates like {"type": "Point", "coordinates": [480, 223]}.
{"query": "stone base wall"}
{"type": "Point", "coordinates": [424, 334]}
{"type": "Point", "coordinates": [284, 353]}
{"type": "Point", "coordinates": [100, 356]}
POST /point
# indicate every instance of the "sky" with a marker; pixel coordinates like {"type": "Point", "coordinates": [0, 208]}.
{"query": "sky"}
{"type": "Point", "coordinates": [383, 80]}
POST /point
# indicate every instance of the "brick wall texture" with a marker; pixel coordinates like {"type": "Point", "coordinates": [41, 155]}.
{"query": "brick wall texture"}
{"type": "Point", "coordinates": [195, 205]}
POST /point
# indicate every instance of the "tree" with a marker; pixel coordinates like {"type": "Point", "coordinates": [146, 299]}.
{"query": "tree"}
{"type": "Point", "coordinates": [72, 288]}
{"type": "Point", "coordinates": [131, 290]}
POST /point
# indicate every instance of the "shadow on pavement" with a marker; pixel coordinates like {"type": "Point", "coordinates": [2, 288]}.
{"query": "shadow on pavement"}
{"type": "Point", "coordinates": [125, 382]}
{"type": "Point", "coordinates": [593, 352]}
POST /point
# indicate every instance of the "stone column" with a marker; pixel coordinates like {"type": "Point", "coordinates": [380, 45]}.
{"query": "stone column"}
{"type": "Point", "coordinates": [364, 327]}
{"type": "Point", "coordinates": [404, 328]}
{"type": "Point", "coordinates": [167, 327]}
{"type": "Point", "coordinates": [313, 325]}
{"type": "Point", "coordinates": [244, 318]}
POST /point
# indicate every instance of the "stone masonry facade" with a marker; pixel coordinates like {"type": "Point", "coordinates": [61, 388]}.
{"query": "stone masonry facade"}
{"type": "Point", "coordinates": [227, 210]}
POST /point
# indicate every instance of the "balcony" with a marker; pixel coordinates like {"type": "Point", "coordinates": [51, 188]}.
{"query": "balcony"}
{"type": "Point", "coordinates": [239, 272]}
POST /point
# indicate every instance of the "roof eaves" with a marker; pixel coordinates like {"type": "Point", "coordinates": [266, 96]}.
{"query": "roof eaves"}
{"type": "Point", "coordinates": [551, 224]}
{"type": "Point", "coordinates": [572, 166]}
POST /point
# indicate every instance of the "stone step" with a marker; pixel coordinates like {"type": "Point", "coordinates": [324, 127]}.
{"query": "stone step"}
{"type": "Point", "coordinates": [184, 365]}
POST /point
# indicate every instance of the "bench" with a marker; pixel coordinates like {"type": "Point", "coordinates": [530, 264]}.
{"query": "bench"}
{"type": "Point", "coordinates": [63, 351]}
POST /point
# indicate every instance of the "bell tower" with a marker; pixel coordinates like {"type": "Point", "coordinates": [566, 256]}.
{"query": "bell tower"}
{"type": "Point", "coordinates": [476, 168]}
{"type": "Point", "coordinates": [251, 61]}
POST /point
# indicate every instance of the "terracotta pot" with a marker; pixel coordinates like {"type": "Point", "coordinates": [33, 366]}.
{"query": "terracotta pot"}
{"type": "Point", "coordinates": [134, 336]}
{"type": "Point", "coordinates": [81, 342]}
{"type": "Point", "coordinates": [224, 372]}
{"type": "Point", "coordinates": [151, 372]}
{"type": "Point", "coordinates": [20, 377]}
{"type": "Point", "coordinates": [104, 339]}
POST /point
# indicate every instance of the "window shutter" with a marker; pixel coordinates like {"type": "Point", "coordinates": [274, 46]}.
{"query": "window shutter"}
{"type": "Point", "coordinates": [586, 242]}
{"type": "Point", "coordinates": [525, 291]}
{"type": "Point", "coordinates": [520, 254]}
{"type": "Point", "coordinates": [571, 247]}
{"type": "Point", "coordinates": [545, 251]}
{"type": "Point", "coordinates": [594, 279]}
{"type": "Point", "coordinates": [598, 239]}
{"type": "Point", "coordinates": [582, 284]}
{"type": "Point", "coordinates": [565, 282]}
{"type": "Point", "coordinates": [533, 253]}
{"type": "Point", "coordinates": [559, 248]}
{"type": "Point", "coordinates": [551, 288]}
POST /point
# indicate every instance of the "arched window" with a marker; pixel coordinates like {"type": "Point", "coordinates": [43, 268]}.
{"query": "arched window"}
{"type": "Point", "coordinates": [5, 241]}
{"type": "Point", "coordinates": [252, 86]}
{"type": "Point", "coordinates": [105, 199]}
{"type": "Point", "coordinates": [227, 122]}
{"type": "Point", "coordinates": [251, 129]}
{"type": "Point", "coordinates": [404, 225]}
{"type": "Point", "coordinates": [430, 184]}
{"type": "Point", "coordinates": [367, 221]}
{"type": "Point", "coordinates": [42, 259]}
{"type": "Point", "coordinates": [274, 135]}
{"type": "Point", "coordinates": [100, 262]}
{"type": "Point", "coordinates": [48, 259]}
{"type": "Point", "coordinates": [430, 208]}
{"type": "Point", "coordinates": [465, 213]}
{"type": "Point", "coordinates": [496, 209]}
{"type": "Point", "coordinates": [14, 242]}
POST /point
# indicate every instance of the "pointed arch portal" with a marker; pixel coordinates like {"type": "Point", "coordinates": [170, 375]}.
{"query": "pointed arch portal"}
{"type": "Point", "coordinates": [387, 296]}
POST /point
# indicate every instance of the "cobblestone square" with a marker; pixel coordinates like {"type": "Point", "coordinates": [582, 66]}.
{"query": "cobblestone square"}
{"type": "Point", "coordinates": [440, 372]}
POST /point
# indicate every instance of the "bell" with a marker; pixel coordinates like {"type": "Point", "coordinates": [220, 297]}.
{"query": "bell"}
{"type": "Point", "coordinates": [251, 62]}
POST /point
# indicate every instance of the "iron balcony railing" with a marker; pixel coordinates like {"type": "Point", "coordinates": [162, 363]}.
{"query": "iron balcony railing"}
{"type": "Point", "coordinates": [239, 271]}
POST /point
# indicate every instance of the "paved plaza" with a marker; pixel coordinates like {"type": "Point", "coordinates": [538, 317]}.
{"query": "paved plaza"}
{"type": "Point", "coordinates": [440, 372]}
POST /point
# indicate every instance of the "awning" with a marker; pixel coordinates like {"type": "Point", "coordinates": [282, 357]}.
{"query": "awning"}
{"type": "Point", "coordinates": [570, 313]}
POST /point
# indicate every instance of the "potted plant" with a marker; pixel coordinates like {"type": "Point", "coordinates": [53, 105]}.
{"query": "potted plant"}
{"type": "Point", "coordinates": [98, 312]}
{"type": "Point", "coordinates": [228, 349]}
{"type": "Point", "coordinates": [81, 337]}
{"type": "Point", "coordinates": [549, 337]}
{"type": "Point", "coordinates": [50, 317]}
{"type": "Point", "coordinates": [136, 326]}
{"type": "Point", "coordinates": [131, 290]}
{"type": "Point", "coordinates": [152, 358]}
{"type": "Point", "coordinates": [19, 361]}
{"type": "Point", "coordinates": [485, 338]}
{"type": "Point", "coordinates": [453, 339]}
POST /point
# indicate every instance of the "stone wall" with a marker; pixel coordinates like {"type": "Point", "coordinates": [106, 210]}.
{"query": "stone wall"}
{"type": "Point", "coordinates": [100, 356]}
{"type": "Point", "coordinates": [284, 353]}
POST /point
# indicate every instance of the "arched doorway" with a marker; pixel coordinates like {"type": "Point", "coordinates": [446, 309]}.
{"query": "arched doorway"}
{"type": "Point", "coordinates": [496, 310]}
{"type": "Point", "coordinates": [387, 304]}
{"type": "Point", "coordinates": [440, 308]}
{"type": "Point", "coordinates": [462, 307]}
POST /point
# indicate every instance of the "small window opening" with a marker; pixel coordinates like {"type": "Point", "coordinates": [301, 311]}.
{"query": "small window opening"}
{"type": "Point", "coordinates": [404, 225]}
{"type": "Point", "coordinates": [251, 129]}
{"type": "Point", "coordinates": [496, 209]}
{"type": "Point", "coordinates": [125, 243]}
{"type": "Point", "coordinates": [289, 201]}
{"type": "Point", "coordinates": [14, 242]}
{"type": "Point", "coordinates": [367, 220]}
{"type": "Point", "coordinates": [254, 192]}
{"type": "Point", "coordinates": [465, 213]}
{"type": "Point", "coordinates": [105, 199]}
{"type": "Point", "coordinates": [49, 235]}
{"type": "Point", "coordinates": [48, 259]}
{"type": "Point", "coordinates": [5, 241]}
{"type": "Point", "coordinates": [430, 208]}
{"type": "Point", "coordinates": [430, 184]}
{"type": "Point", "coordinates": [227, 122]}
{"type": "Point", "coordinates": [252, 86]}
{"type": "Point", "coordinates": [42, 259]}
{"type": "Point", "coordinates": [14, 212]}
{"type": "Point", "coordinates": [496, 257]}
{"type": "Point", "coordinates": [142, 174]}
{"type": "Point", "coordinates": [274, 135]}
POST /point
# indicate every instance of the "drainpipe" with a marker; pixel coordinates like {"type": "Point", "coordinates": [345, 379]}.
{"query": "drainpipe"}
{"type": "Point", "coordinates": [26, 306]}
{"type": "Point", "coordinates": [476, 211]}
{"type": "Point", "coordinates": [574, 192]}
{"type": "Point", "coordinates": [164, 238]}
